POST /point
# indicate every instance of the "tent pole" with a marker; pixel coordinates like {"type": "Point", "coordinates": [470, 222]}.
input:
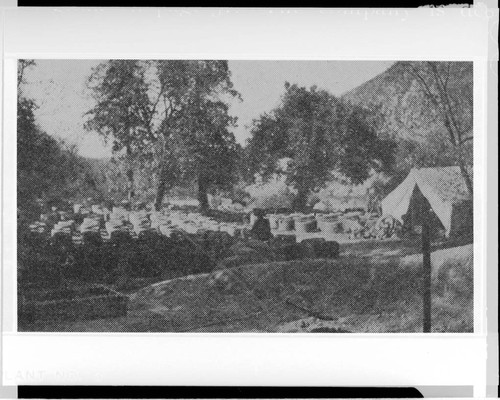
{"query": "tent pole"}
{"type": "Point", "coordinates": [427, 269]}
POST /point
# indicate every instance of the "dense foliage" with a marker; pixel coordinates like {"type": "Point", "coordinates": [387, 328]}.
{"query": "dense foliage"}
{"type": "Point", "coordinates": [170, 115]}
{"type": "Point", "coordinates": [46, 168]}
{"type": "Point", "coordinates": [316, 134]}
{"type": "Point", "coordinates": [170, 127]}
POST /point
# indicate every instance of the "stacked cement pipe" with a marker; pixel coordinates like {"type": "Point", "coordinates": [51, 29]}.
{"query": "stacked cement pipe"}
{"type": "Point", "coordinates": [326, 225]}
{"type": "Point", "coordinates": [97, 219]}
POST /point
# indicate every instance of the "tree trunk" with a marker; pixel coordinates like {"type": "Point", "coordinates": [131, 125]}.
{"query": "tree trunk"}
{"type": "Point", "coordinates": [130, 175]}
{"type": "Point", "coordinates": [160, 193]}
{"type": "Point", "coordinates": [467, 179]}
{"type": "Point", "coordinates": [203, 194]}
{"type": "Point", "coordinates": [162, 186]}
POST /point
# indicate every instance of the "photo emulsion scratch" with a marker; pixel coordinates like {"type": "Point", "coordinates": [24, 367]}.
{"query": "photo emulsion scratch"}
{"type": "Point", "coordinates": [244, 196]}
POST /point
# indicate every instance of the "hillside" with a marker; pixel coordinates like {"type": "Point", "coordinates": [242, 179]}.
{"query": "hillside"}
{"type": "Point", "coordinates": [399, 97]}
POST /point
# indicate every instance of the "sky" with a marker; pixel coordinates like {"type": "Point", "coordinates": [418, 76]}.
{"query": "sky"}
{"type": "Point", "coordinates": [58, 87]}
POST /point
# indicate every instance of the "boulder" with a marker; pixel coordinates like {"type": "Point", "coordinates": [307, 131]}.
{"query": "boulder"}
{"type": "Point", "coordinates": [289, 251]}
{"type": "Point", "coordinates": [320, 248]}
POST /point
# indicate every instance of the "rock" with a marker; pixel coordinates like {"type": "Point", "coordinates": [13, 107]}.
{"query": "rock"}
{"type": "Point", "coordinates": [289, 252]}
{"type": "Point", "coordinates": [222, 281]}
{"type": "Point", "coordinates": [319, 248]}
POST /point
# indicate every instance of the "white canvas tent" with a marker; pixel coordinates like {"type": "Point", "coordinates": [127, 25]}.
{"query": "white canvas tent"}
{"type": "Point", "coordinates": [445, 190]}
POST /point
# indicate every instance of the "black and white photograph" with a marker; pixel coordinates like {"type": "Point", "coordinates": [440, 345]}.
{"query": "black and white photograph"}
{"type": "Point", "coordinates": [238, 196]}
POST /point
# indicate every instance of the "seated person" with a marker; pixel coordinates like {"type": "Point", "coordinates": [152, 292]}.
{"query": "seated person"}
{"type": "Point", "coordinates": [261, 229]}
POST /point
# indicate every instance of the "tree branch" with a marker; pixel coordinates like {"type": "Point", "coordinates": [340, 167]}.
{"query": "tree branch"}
{"type": "Point", "coordinates": [446, 100]}
{"type": "Point", "coordinates": [447, 76]}
{"type": "Point", "coordinates": [423, 84]}
{"type": "Point", "coordinates": [440, 107]}
{"type": "Point", "coordinates": [466, 139]}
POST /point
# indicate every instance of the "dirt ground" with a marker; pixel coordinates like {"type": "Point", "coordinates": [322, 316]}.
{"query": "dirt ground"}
{"type": "Point", "coordinates": [373, 287]}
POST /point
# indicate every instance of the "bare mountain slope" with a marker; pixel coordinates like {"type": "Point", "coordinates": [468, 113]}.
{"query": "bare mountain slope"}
{"type": "Point", "coordinates": [399, 97]}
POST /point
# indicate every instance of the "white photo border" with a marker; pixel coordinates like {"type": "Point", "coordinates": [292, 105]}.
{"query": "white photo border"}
{"type": "Point", "coordinates": [244, 358]}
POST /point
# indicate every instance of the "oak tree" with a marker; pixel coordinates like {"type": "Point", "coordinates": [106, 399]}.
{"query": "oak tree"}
{"type": "Point", "coordinates": [318, 135]}
{"type": "Point", "coordinates": [172, 112]}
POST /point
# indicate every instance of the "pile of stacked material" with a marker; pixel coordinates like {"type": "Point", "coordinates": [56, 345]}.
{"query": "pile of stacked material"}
{"type": "Point", "coordinates": [50, 219]}
{"type": "Point", "coordinates": [192, 223]}
{"type": "Point", "coordinates": [286, 223]}
{"type": "Point", "coordinates": [194, 219]}
{"type": "Point", "coordinates": [106, 213]}
{"type": "Point", "coordinates": [166, 230]}
{"type": "Point", "coordinates": [228, 206]}
{"type": "Point", "coordinates": [188, 222]}
{"type": "Point", "coordinates": [368, 220]}
{"type": "Point", "coordinates": [140, 221]}
{"type": "Point", "coordinates": [158, 219]}
{"type": "Point", "coordinates": [353, 214]}
{"type": "Point", "coordinates": [162, 222]}
{"type": "Point", "coordinates": [177, 218]}
{"type": "Point", "coordinates": [328, 223]}
{"type": "Point", "coordinates": [191, 227]}
{"type": "Point", "coordinates": [211, 225]}
{"type": "Point", "coordinates": [120, 213]}
{"type": "Point", "coordinates": [115, 225]}
{"type": "Point", "coordinates": [118, 221]}
{"type": "Point", "coordinates": [369, 217]}
{"type": "Point", "coordinates": [231, 229]}
{"type": "Point", "coordinates": [63, 227]}
{"type": "Point", "coordinates": [305, 223]}
{"type": "Point", "coordinates": [352, 226]}
{"type": "Point", "coordinates": [38, 227]}
{"type": "Point", "coordinates": [96, 209]}
{"type": "Point", "coordinates": [90, 225]}
{"type": "Point", "coordinates": [273, 220]}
